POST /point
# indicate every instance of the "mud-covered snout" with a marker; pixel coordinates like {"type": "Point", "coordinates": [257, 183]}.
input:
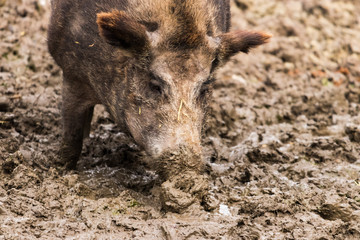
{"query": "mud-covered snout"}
{"type": "Point", "coordinates": [172, 145]}
{"type": "Point", "coordinates": [181, 158]}
{"type": "Point", "coordinates": [176, 145]}
{"type": "Point", "coordinates": [180, 137]}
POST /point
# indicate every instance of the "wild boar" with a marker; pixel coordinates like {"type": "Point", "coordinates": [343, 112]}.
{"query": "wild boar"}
{"type": "Point", "coordinates": [150, 62]}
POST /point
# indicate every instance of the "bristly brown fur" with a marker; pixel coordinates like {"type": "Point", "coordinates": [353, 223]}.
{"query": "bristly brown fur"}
{"type": "Point", "coordinates": [191, 34]}
{"type": "Point", "coordinates": [181, 23]}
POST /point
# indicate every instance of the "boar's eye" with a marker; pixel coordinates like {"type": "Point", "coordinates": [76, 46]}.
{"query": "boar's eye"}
{"type": "Point", "coordinates": [214, 64]}
{"type": "Point", "coordinates": [205, 87]}
{"type": "Point", "coordinates": [155, 86]}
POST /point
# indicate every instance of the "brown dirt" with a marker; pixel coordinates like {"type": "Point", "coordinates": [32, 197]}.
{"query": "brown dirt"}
{"type": "Point", "coordinates": [282, 142]}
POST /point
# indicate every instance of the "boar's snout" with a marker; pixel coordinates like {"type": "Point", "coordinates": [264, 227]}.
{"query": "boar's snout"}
{"type": "Point", "coordinates": [176, 147]}
{"type": "Point", "coordinates": [183, 158]}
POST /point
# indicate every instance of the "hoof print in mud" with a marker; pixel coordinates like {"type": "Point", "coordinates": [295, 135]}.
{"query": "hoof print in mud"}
{"type": "Point", "coordinates": [181, 191]}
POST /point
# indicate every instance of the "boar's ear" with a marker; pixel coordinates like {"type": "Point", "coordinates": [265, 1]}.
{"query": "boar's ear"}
{"type": "Point", "coordinates": [240, 41]}
{"type": "Point", "coordinates": [118, 29]}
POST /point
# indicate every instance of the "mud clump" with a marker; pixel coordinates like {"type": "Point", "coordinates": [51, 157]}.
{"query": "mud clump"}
{"type": "Point", "coordinates": [183, 182]}
{"type": "Point", "coordinates": [333, 212]}
{"type": "Point", "coordinates": [354, 133]}
{"type": "Point", "coordinates": [181, 191]}
{"type": "Point", "coordinates": [12, 162]}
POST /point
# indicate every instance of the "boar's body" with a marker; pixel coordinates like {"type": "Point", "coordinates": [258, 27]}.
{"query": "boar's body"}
{"type": "Point", "coordinates": [150, 62]}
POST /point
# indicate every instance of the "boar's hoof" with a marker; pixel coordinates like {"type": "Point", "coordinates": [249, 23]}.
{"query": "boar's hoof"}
{"type": "Point", "coordinates": [178, 193]}
{"type": "Point", "coordinates": [68, 157]}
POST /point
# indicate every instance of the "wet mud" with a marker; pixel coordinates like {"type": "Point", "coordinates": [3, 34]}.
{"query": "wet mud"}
{"type": "Point", "coordinates": [281, 145]}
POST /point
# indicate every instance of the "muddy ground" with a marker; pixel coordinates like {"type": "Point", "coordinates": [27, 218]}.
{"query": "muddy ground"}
{"type": "Point", "coordinates": [282, 141]}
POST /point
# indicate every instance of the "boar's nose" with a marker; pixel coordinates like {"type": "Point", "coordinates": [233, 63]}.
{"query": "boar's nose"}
{"type": "Point", "coordinates": [183, 150]}
{"type": "Point", "coordinates": [168, 149]}
{"type": "Point", "coordinates": [178, 144]}
{"type": "Point", "coordinates": [176, 160]}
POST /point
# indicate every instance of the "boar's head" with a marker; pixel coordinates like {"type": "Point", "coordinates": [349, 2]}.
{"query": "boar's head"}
{"type": "Point", "coordinates": [169, 72]}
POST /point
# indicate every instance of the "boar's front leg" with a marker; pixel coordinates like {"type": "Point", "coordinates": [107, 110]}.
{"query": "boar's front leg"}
{"type": "Point", "coordinates": [77, 111]}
